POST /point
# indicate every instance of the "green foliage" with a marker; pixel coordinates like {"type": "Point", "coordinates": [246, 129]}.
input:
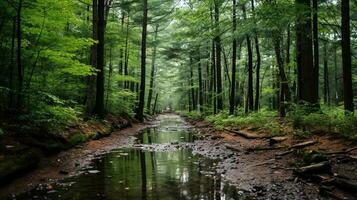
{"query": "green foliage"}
{"type": "Point", "coordinates": [195, 115]}
{"type": "Point", "coordinates": [263, 119]}
{"type": "Point", "coordinates": [53, 113]}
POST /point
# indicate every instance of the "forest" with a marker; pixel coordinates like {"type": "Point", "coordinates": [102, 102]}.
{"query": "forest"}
{"type": "Point", "coordinates": [272, 78]}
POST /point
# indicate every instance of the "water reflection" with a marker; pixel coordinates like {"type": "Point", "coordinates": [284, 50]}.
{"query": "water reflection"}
{"type": "Point", "coordinates": [127, 174]}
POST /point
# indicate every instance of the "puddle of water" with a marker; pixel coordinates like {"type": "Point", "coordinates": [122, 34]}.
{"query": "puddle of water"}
{"type": "Point", "coordinates": [138, 174]}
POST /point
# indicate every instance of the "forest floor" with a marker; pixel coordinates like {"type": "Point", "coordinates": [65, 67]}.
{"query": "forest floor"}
{"type": "Point", "coordinates": [268, 167]}
{"type": "Point", "coordinates": [259, 166]}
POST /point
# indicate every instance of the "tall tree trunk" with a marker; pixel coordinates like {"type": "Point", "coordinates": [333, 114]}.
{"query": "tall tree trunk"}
{"type": "Point", "coordinates": [121, 51]}
{"type": "Point", "coordinates": [218, 57]}
{"type": "Point", "coordinates": [140, 110]}
{"type": "Point", "coordinates": [213, 86]}
{"type": "Point", "coordinates": [305, 68]}
{"type": "Point", "coordinates": [316, 47]}
{"type": "Point", "coordinates": [192, 85]}
{"type": "Point", "coordinates": [11, 65]}
{"type": "Point", "coordinates": [257, 73]}
{"type": "Point", "coordinates": [200, 85]}
{"type": "Point", "coordinates": [346, 57]}
{"type": "Point", "coordinates": [91, 80]}
{"type": "Point", "coordinates": [152, 75]}
{"type": "Point", "coordinates": [126, 53]}
{"type": "Point", "coordinates": [284, 94]}
{"type": "Point", "coordinates": [99, 104]}
{"type": "Point", "coordinates": [155, 103]}
{"type": "Point", "coordinates": [326, 77]}
{"type": "Point", "coordinates": [20, 71]}
{"type": "Point", "coordinates": [109, 76]}
{"type": "Point", "coordinates": [336, 97]}
{"type": "Point", "coordinates": [249, 101]}
{"type": "Point", "coordinates": [234, 59]}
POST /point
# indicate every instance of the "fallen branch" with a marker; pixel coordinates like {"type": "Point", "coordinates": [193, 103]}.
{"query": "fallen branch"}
{"type": "Point", "coordinates": [342, 152]}
{"type": "Point", "coordinates": [315, 168]}
{"type": "Point", "coordinates": [346, 184]}
{"type": "Point", "coordinates": [248, 135]}
{"type": "Point", "coordinates": [285, 153]}
{"type": "Point", "coordinates": [278, 139]}
{"type": "Point", "coordinates": [303, 144]}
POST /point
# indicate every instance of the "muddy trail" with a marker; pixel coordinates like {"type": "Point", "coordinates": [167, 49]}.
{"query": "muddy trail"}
{"type": "Point", "coordinates": [169, 159]}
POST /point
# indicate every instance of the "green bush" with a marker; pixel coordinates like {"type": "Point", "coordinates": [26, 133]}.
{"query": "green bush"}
{"type": "Point", "coordinates": [53, 114]}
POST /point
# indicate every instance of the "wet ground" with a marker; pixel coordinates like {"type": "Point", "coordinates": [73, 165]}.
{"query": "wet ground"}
{"type": "Point", "coordinates": [156, 166]}
{"type": "Point", "coordinates": [170, 159]}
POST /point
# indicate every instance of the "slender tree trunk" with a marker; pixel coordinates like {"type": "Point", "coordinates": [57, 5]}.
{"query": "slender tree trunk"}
{"type": "Point", "coordinates": [284, 94]}
{"type": "Point", "coordinates": [346, 57]}
{"type": "Point", "coordinates": [155, 103]}
{"type": "Point", "coordinates": [140, 111]}
{"type": "Point", "coordinates": [218, 57]}
{"type": "Point", "coordinates": [213, 86]}
{"type": "Point", "coordinates": [20, 71]}
{"type": "Point", "coordinates": [336, 77]}
{"type": "Point", "coordinates": [250, 101]}
{"type": "Point", "coordinates": [305, 69]}
{"type": "Point", "coordinates": [11, 65]}
{"type": "Point", "coordinates": [126, 53]}
{"type": "Point", "coordinates": [99, 105]}
{"type": "Point", "coordinates": [192, 85]}
{"type": "Point", "coordinates": [109, 76]}
{"type": "Point", "coordinates": [152, 75]}
{"type": "Point", "coordinates": [326, 77]}
{"type": "Point", "coordinates": [234, 59]}
{"type": "Point", "coordinates": [200, 85]}
{"type": "Point", "coordinates": [121, 51]}
{"type": "Point", "coordinates": [257, 73]}
{"type": "Point", "coordinates": [316, 48]}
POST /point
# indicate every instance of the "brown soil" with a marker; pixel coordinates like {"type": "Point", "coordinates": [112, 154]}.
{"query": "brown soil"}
{"type": "Point", "coordinates": [264, 175]}
{"type": "Point", "coordinates": [69, 162]}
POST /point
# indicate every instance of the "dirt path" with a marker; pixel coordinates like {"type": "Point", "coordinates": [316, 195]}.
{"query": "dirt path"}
{"type": "Point", "coordinates": [69, 162]}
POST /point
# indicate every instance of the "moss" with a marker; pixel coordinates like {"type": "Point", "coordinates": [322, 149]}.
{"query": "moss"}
{"type": "Point", "coordinates": [77, 139]}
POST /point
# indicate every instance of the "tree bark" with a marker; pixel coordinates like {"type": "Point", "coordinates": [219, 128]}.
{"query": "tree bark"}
{"type": "Point", "coordinates": [152, 75]}
{"type": "Point", "coordinates": [218, 57]}
{"type": "Point", "coordinates": [11, 65]}
{"type": "Point", "coordinates": [234, 60]}
{"type": "Point", "coordinates": [91, 80]}
{"type": "Point", "coordinates": [316, 47]}
{"type": "Point", "coordinates": [346, 57]}
{"type": "Point", "coordinates": [200, 85]}
{"type": "Point", "coordinates": [192, 85]}
{"type": "Point", "coordinates": [140, 110]}
{"type": "Point", "coordinates": [326, 77]}
{"type": "Point", "coordinates": [307, 92]}
{"type": "Point", "coordinates": [20, 71]}
{"type": "Point", "coordinates": [99, 105]}
{"type": "Point", "coordinates": [257, 73]}
{"type": "Point", "coordinates": [155, 103]}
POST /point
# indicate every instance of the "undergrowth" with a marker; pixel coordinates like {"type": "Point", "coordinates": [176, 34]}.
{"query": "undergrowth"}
{"type": "Point", "coordinates": [299, 121]}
